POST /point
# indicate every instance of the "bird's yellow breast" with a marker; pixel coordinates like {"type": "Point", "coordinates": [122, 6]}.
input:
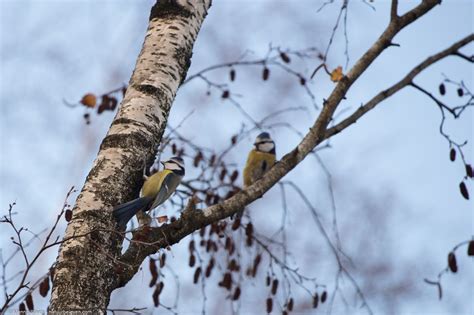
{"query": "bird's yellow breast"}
{"type": "Point", "coordinates": [152, 185]}
{"type": "Point", "coordinates": [254, 167]}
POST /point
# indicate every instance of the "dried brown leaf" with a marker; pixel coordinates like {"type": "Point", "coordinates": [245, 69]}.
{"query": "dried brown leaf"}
{"type": "Point", "coordinates": [336, 74]}
{"type": "Point", "coordinates": [162, 219]}
{"type": "Point", "coordinates": [89, 100]}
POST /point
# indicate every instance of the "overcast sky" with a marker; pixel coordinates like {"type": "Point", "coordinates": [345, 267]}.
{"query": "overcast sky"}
{"type": "Point", "coordinates": [396, 191]}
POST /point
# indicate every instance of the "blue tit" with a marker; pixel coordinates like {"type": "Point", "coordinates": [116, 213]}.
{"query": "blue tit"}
{"type": "Point", "coordinates": [156, 189]}
{"type": "Point", "coordinates": [260, 159]}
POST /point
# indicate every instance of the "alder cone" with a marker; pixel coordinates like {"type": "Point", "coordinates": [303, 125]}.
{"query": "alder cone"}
{"type": "Point", "coordinates": [442, 89]}
{"type": "Point", "coordinates": [156, 297]}
{"type": "Point", "coordinates": [452, 154]}
{"type": "Point", "coordinates": [463, 189]}
{"type": "Point", "coordinates": [197, 273]}
{"type": "Point", "coordinates": [160, 287]}
{"type": "Point", "coordinates": [212, 160]}
{"type": "Point", "coordinates": [275, 286]}
{"type": "Point", "coordinates": [315, 300]}
{"type": "Point", "coordinates": [227, 281]}
{"type": "Point", "coordinates": [162, 260]}
{"type": "Point", "coordinates": [192, 261]}
{"type": "Point", "coordinates": [290, 304]}
{"type": "Point", "coordinates": [452, 263]}
{"type": "Point", "coordinates": [44, 287]}
{"type": "Point", "coordinates": [324, 296]}
{"type": "Point", "coordinates": [68, 215]}
{"type": "Point", "coordinates": [236, 294]}
{"type": "Point", "coordinates": [234, 175]}
{"type": "Point", "coordinates": [236, 224]}
{"type": "Point", "coordinates": [269, 305]}
{"type": "Point", "coordinates": [469, 172]}
{"type": "Point", "coordinates": [29, 302]}
{"type": "Point", "coordinates": [470, 248]}
{"type": "Point", "coordinates": [153, 272]}
{"type": "Point", "coordinates": [265, 74]}
{"type": "Point", "coordinates": [198, 158]}
{"type": "Point", "coordinates": [285, 57]}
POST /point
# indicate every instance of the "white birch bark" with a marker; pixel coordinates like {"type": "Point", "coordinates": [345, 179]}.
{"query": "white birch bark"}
{"type": "Point", "coordinates": [85, 271]}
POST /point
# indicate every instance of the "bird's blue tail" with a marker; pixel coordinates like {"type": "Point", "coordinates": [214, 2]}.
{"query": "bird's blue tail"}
{"type": "Point", "coordinates": [124, 212]}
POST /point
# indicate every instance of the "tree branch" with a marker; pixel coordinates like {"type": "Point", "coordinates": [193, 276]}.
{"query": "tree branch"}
{"type": "Point", "coordinates": [393, 11]}
{"type": "Point", "coordinates": [397, 87]}
{"type": "Point", "coordinates": [191, 220]}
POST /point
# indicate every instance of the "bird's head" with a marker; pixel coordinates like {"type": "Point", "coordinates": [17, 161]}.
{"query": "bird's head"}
{"type": "Point", "coordinates": [264, 143]}
{"type": "Point", "coordinates": [175, 164]}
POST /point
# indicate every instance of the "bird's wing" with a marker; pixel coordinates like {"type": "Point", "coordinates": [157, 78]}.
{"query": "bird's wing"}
{"type": "Point", "coordinates": [248, 169]}
{"type": "Point", "coordinates": [169, 182]}
{"type": "Point", "coordinates": [269, 159]}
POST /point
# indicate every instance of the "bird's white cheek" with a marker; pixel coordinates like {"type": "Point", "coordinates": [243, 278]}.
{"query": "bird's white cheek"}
{"type": "Point", "coordinates": [266, 147]}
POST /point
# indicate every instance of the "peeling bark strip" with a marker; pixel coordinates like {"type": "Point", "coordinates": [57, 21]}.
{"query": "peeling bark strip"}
{"type": "Point", "coordinates": [85, 275]}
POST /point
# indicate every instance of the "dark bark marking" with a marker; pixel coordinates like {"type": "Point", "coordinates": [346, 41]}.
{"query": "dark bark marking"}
{"type": "Point", "coordinates": [183, 56]}
{"type": "Point", "coordinates": [166, 9]}
{"type": "Point", "coordinates": [149, 89]}
{"type": "Point", "coordinates": [130, 141]}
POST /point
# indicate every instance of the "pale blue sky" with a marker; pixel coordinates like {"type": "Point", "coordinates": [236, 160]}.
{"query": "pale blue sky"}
{"type": "Point", "coordinates": [51, 50]}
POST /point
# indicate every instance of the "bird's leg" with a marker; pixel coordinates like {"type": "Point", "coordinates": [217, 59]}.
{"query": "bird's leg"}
{"type": "Point", "coordinates": [143, 219]}
{"type": "Point", "coordinates": [145, 177]}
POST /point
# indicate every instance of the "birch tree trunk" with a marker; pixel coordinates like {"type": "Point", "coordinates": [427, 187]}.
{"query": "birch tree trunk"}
{"type": "Point", "coordinates": [85, 271]}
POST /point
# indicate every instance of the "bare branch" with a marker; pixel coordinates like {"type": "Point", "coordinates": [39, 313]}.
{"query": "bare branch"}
{"type": "Point", "coordinates": [398, 86]}
{"type": "Point", "coordinates": [393, 11]}
{"type": "Point", "coordinates": [193, 220]}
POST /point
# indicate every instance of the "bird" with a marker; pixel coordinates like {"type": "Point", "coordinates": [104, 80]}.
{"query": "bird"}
{"type": "Point", "coordinates": [260, 159]}
{"type": "Point", "coordinates": [156, 189]}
